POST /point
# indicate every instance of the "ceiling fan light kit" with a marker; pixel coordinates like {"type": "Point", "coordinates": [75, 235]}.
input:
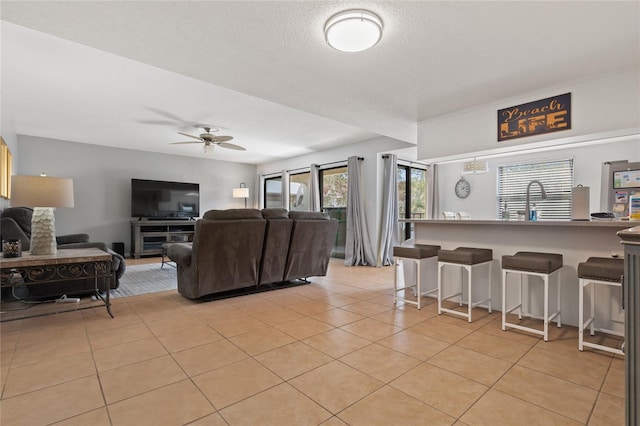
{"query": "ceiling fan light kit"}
{"type": "Point", "coordinates": [353, 30]}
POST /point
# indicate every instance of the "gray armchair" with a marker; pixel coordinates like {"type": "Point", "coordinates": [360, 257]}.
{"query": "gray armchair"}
{"type": "Point", "coordinates": [15, 224]}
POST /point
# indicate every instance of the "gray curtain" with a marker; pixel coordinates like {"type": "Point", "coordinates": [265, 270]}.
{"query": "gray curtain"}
{"type": "Point", "coordinates": [358, 250]}
{"type": "Point", "coordinates": [314, 188]}
{"type": "Point", "coordinates": [389, 227]}
{"type": "Point", "coordinates": [285, 189]}
{"type": "Point", "coordinates": [433, 207]}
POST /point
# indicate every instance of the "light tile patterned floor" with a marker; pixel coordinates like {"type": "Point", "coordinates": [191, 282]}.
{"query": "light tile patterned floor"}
{"type": "Point", "coordinates": [334, 352]}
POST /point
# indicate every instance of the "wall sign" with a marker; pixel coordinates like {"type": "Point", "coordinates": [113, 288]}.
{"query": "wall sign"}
{"type": "Point", "coordinates": [534, 118]}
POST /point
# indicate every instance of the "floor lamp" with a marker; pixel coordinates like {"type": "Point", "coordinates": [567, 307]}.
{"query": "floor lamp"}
{"type": "Point", "coordinates": [43, 193]}
{"type": "Point", "coordinates": [242, 192]}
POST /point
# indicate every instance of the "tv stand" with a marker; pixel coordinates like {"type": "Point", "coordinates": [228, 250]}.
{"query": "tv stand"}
{"type": "Point", "coordinates": [148, 236]}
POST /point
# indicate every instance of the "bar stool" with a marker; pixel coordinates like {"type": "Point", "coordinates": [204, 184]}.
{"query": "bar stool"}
{"type": "Point", "coordinates": [543, 265]}
{"type": "Point", "coordinates": [424, 256]}
{"type": "Point", "coordinates": [597, 271]}
{"type": "Point", "coordinates": [468, 259]}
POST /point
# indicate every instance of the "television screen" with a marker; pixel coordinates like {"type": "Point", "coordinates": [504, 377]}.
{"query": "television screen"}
{"type": "Point", "coordinates": [626, 179]}
{"type": "Point", "coordinates": [164, 200]}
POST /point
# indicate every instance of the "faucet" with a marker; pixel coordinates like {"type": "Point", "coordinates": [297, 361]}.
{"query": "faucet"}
{"type": "Point", "coordinates": [527, 206]}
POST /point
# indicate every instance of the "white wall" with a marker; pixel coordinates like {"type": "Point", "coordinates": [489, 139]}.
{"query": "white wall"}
{"type": "Point", "coordinates": [610, 103]}
{"type": "Point", "coordinates": [371, 150]}
{"type": "Point", "coordinates": [102, 182]}
{"type": "Point", "coordinates": [482, 202]}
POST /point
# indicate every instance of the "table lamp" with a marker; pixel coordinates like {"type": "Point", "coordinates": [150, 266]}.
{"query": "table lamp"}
{"type": "Point", "coordinates": [242, 192]}
{"type": "Point", "coordinates": [43, 193]}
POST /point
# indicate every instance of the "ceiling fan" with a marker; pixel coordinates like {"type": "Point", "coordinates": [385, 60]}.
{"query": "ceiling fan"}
{"type": "Point", "coordinates": [210, 140]}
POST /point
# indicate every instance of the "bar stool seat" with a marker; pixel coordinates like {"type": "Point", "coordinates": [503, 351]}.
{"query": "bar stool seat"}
{"type": "Point", "coordinates": [468, 259]}
{"type": "Point", "coordinates": [597, 271]}
{"type": "Point", "coordinates": [543, 265]}
{"type": "Point", "coordinates": [424, 256]}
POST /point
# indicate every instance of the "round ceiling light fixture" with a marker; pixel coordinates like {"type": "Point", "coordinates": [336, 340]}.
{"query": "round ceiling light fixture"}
{"type": "Point", "coordinates": [353, 30]}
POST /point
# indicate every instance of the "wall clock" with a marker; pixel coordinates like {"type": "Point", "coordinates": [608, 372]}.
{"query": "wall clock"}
{"type": "Point", "coordinates": [463, 188]}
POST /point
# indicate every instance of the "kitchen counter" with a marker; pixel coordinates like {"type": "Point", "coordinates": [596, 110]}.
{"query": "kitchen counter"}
{"type": "Point", "coordinates": [575, 240]}
{"type": "Point", "coordinates": [622, 224]}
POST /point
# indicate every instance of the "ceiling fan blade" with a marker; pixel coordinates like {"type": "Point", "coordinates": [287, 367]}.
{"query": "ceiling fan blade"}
{"type": "Point", "coordinates": [158, 122]}
{"type": "Point", "coordinates": [191, 136]}
{"type": "Point", "coordinates": [232, 146]}
{"type": "Point", "coordinates": [221, 138]}
{"type": "Point", "coordinates": [181, 143]}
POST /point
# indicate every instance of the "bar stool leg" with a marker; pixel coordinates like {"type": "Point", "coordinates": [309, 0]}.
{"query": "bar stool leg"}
{"type": "Point", "coordinates": [504, 299]}
{"type": "Point", "coordinates": [592, 328]}
{"type": "Point", "coordinates": [418, 281]}
{"type": "Point", "coordinates": [462, 268]}
{"type": "Point", "coordinates": [490, 266]}
{"type": "Point", "coordinates": [521, 307]}
{"type": "Point", "coordinates": [581, 315]}
{"type": "Point", "coordinates": [469, 298]}
{"type": "Point", "coordinates": [395, 280]}
{"type": "Point", "coordinates": [558, 303]}
{"type": "Point", "coordinates": [546, 307]}
{"type": "Point", "coordinates": [440, 266]}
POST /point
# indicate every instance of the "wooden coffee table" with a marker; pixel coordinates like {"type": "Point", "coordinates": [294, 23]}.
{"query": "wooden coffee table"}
{"type": "Point", "coordinates": [65, 265]}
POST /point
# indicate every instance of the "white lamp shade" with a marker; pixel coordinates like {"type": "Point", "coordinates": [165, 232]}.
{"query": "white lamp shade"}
{"type": "Point", "coordinates": [240, 192]}
{"type": "Point", "coordinates": [353, 30]}
{"type": "Point", "coordinates": [41, 191]}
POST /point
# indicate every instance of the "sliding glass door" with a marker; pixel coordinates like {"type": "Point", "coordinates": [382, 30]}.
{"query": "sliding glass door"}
{"type": "Point", "coordinates": [334, 201]}
{"type": "Point", "coordinates": [412, 197]}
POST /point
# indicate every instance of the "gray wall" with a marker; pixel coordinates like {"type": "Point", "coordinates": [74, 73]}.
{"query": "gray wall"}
{"type": "Point", "coordinates": [102, 182]}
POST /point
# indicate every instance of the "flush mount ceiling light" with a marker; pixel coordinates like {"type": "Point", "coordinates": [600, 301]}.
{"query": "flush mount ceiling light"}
{"type": "Point", "coordinates": [353, 30]}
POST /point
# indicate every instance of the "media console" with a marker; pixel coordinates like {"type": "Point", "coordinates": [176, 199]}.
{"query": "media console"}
{"type": "Point", "coordinates": [148, 236]}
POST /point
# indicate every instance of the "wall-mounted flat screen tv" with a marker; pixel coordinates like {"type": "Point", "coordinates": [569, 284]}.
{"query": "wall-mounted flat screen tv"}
{"type": "Point", "coordinates": [154, 199]}
{"type": "Point", "coordinates": [626, 179]}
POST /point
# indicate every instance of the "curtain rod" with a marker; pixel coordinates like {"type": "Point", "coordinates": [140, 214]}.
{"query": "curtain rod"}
{"type": "Point", "coordinates": [323, 165]}
{"type": "Point", "coordinates": [406, 161]}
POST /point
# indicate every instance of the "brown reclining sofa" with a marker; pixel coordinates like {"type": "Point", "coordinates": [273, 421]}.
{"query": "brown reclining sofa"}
{"type": "Point", "coordinates": [243, 248]}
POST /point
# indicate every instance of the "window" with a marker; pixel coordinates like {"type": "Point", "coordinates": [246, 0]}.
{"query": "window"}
{"type": "Point", "coordinates": [555, 176]}
{"type": "Point", "coordinates": [299, 191]}
{"type": "Point", "coordinates": [412, 197]}
{"type": "Point", "coordinates": [273, 192]}
{"type": "Point", "coordinates": [334, 201]}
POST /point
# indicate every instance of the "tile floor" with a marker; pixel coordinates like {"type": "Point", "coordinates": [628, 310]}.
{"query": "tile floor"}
{"type": "Point", "coordinates": [334, 352]}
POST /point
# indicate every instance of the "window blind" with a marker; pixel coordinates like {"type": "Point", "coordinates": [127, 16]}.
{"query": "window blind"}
{"type": "Point", "coordinates": [557, 178]}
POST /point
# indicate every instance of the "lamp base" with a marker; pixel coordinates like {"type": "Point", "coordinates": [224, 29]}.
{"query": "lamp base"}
{"type": "Point", "coordinates": [43, 232]}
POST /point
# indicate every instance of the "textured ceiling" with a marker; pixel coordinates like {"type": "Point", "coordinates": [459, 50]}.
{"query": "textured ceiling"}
{"type": "Point", "coordinates": [132, 74]}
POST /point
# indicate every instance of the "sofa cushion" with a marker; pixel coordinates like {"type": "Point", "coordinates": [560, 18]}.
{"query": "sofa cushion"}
{"type": "Point", "coordinates": [275, 213]}
{"type": "Point", "coordinates": [303, 215]}
{"type": "Point", "coordinates": [232, 214]}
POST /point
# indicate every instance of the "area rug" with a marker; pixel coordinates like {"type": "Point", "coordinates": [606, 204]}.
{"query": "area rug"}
{"type": "Point", "coordinates": [144, 279]}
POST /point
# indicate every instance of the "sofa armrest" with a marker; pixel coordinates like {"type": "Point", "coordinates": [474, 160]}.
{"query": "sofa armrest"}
{"type": "Point", "coordinates": [72, 239]}
{"type": "Point", "coordinates": [180, 253]}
